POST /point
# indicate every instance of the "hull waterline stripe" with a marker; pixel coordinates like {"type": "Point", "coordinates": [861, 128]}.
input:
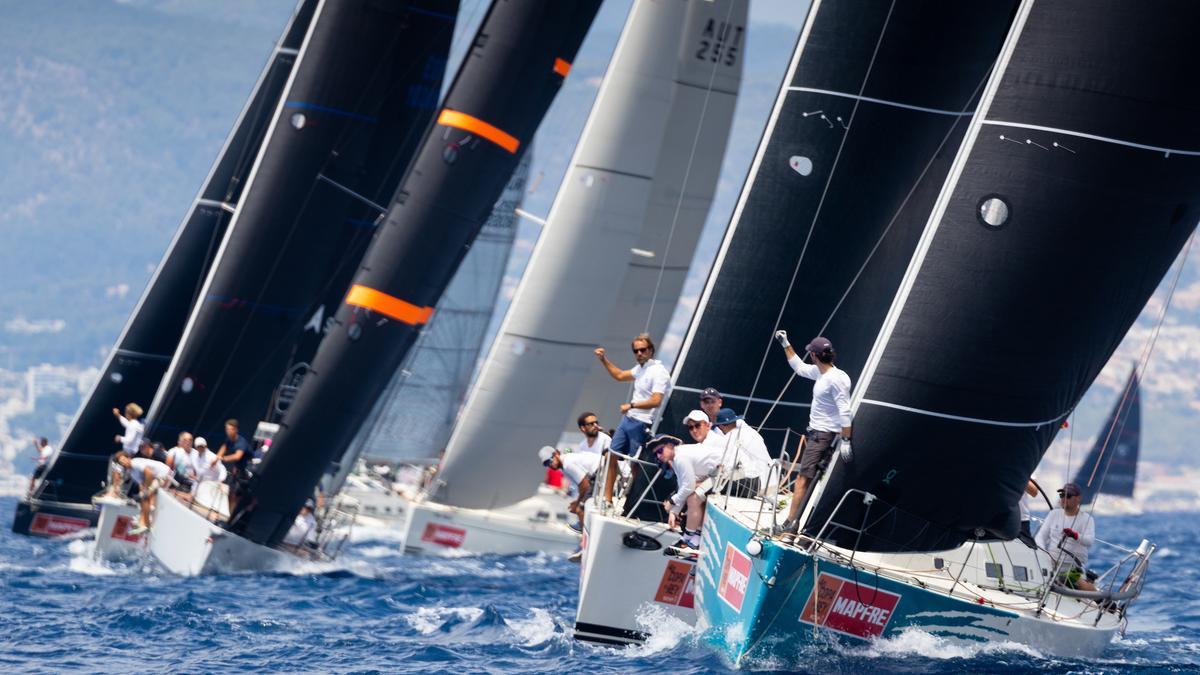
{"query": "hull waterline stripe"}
{"type": "Point", "coordinates": [458, 120]}
{"type": "Point", "coordinates": [369, 298]}
{"type": "Point", "coordinates": [880, 101]}
{"type": "Point", "coordinates": [561, 67]}
{"type": "Point", "coordinates": [960, 418]}
{"type": "Point", "coordinates": [1092, 137]}
{"type": "Point", "coordinates": [752, 399]}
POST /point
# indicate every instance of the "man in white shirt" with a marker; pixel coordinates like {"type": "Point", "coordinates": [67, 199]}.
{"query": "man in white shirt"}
{"type": "Point", "coordinates": [828, 416]}
{"type": "Point", "coordinates": [148, 474]}
{"type": "Point", "coordinates": [304, 527]}
{"type": "Point", "coordinates": [651, 385]}
{"type": "Point", "coordinates": [44, 451]}
{"type": "Point", "coordinates": [579, 468]}
{"type": "Point", "coordinates": [747, 447]}
{"type": "Point", "coordinates": [693, 465]}
{"type": "Point", "coordinates": [594, 440]}
{"type": "Point", "coordinates": [1066, 535]}
{"type": "Point", "coordinates": [205, 466]}
{"type": "Point", "coordinates": [131, 440]}
{"type": "Point", "coordinates": [180, 460]}
{"type": "Point", "coordinates": [701, 430]}
{"type": "Point", "coordinates": [711, 402]}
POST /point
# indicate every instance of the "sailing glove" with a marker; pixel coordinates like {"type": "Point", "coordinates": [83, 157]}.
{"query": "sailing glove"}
{"type": "Point", "coordinates": [1068, 532]}
{"type": "Point", "coordinates": [781, 336]}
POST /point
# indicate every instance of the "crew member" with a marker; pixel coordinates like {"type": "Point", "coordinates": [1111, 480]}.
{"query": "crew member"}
{"type": "Point", "coordinates": [131, 440]}
{"type": "Point", "coordinates": [179, 458]}
{"type": "Point", "coordinates": [694, 465]}
{"type": "Point", "coordinates": [236, 455]}
{"type": "Point", "coordinates": [747, 447]}
{"type": "Point", "coordinates": [303, 531]}
{"type": "Point", "coordinates": [148, 474]}
{"type": "Point", "coordinates": [580, 469]}
{"type": "Point", "coordinates": [1067, 534]}
{"type": "Point", "coordinates": [44, 450]}
{"type": "Point", "coordinates": [700, 429]}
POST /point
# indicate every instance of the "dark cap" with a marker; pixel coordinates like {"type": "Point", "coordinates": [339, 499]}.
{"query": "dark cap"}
{"type": "Point", "coordinates": [726, 416]}
{"type": "Point", "coordinates": [1070, 490]}
{"type": "Point", "coordinates": [662, 440]}
{"type": "Point", "coordinates": [710, 392]}
{"type": "Point", "coordinates": [819, 345]}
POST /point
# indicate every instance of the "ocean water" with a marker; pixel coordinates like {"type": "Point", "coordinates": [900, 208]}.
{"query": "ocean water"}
{"type": "Point", "coordinates": [377, 611]}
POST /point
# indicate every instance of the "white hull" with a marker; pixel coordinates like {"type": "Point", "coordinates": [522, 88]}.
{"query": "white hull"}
{"type": "Point", "coordinates": [536, 524]}
{"type": "Point", "coordinates": [617, 582]}
{"type": "Point", "coordinates": [113, 541]}
{"type": "Point", "coordinates": [186, 543]}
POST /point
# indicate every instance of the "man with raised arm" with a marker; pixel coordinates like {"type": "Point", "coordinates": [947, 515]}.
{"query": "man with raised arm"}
{"type": "Point", "coordinates": [828, 416]}
{"type": "Point", "coordinates": [651, 384]}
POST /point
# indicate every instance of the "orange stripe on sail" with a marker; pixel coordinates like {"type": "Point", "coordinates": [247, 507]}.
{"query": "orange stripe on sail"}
{"type": "Point", "coordinates": [561, 67]}
{"type": "Point", "coordinates": [369, 298]}
{"type": "Point", "coordinates": [453, 118]}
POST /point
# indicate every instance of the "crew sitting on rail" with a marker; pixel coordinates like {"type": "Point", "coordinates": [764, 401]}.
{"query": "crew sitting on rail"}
{"type": "Point", "coordinates": [148, 474]}
{"type": "Point", "coordinates": [180, 460]}
{"type": "Point", "coordinates": [694, 466]}
{"type": "Point", "coordinates": [303, 531]}
{"type": "Point", "coordinates": [205, 466]}
{"type": "Point", "coordinates": [1067, 534]}
{"type": "Point", "coordinates": [580, 469]}
{"type": "Point", "coordinates": [746, 447]}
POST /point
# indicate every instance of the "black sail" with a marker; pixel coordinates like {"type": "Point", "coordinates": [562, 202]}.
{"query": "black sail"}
{"type": "Point", "coordinates": [137, 363]}
{"type": "Point", "coordinates": [508, 79]}
{"type": "Point", "coordinates": [1077, 185]}
{"type": "Point", "coordinates": [1111, 466]}
{"type": "Point", "coordinates": [860, 141]}
{"type": "Point", "coordinates": [364, 90]}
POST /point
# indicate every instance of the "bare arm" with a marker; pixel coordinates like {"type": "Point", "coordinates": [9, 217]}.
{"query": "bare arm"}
{"type": "Point", "coordinates": [616, 373]}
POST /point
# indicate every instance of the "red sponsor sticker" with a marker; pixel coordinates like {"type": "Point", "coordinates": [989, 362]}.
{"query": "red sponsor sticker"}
{"type": "Point", "coordinates": [677, 585]}
{"type": "Point", "coordinates": [443, 535]}
{"type": "Point", "coordinates": [735, 577]}
{"type": "Point", "coordinates": [121, 528]}
{"type": "Point", "coordinates": [51, 525]}
{"type": "Point", "coordinates": [848, 607]}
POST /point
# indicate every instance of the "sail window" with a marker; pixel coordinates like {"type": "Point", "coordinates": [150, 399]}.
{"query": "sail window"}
{"type": "Point", "coordinates": [994, 211]}
{"type": "Point", "coordinates": [801, 165]}
{"type": "Point", "coordinates": [1020, 573]}
{"type": "Point", "coordinates": [299, 120]}
{"type": "Point", "coordinates": [187, 385]}
{"type": "Point", "coordinates": [116, 378]}
{"type": "Point", "coordinates": [994, 570]}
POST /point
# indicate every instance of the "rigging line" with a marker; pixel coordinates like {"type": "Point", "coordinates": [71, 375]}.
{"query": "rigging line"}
{"type": "Point", "coordinates": [895, 217]}
{"type": "Point", "coordinates": [821, 202]}
{"type": "Point", "coordinates": [708, 90]}
{"type": "Point", "coordinates": [1149, 349]}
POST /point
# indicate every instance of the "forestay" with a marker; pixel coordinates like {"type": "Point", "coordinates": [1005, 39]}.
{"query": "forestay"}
{"type": "Point", "coordinates": [1077, 184]}
{"type": "Point", "coordinates": [631, 160]}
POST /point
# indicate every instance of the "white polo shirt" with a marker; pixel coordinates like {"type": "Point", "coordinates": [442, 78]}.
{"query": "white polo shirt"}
{"type": "Point", "coordinates": [830, 409]}
{"type": "Point", "coordinates": [750, 450]}
{"type": "Point", "coordinates": [202, 465]}
{"type": "Point", "coordinates": [603, 440]}
{"type": "Point", "coordinates": [138, 466]}
{"type": "Point", "coordinates": [693, 463]}
{"type": "Point", "coordinates": [651, 378]}
{"type": "Point", "coordinates": [132, 438]}
{"type": "Point", "coordinates": [577, 465]}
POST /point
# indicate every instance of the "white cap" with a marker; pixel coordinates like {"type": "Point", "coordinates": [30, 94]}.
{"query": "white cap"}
{"type": "Point", "coordinates": [696, 416]}
{"type": "Point", "coordinates": [200, 442]}
{"type": "Point", "coordinates": [546, 453]}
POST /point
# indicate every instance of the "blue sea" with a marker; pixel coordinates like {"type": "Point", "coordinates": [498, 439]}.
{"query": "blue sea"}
{"type": "Point", "coordinates": [377, 611]}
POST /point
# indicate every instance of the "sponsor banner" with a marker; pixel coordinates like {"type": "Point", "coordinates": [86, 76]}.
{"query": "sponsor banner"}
{"type": "Point", "coordinates": [443, 535]}
{"type": "Point", "coordinates": [50, 525]}
{"type": "Point", "coordinates": [849, 607]}
{"type": "Point", "coordinates": [677, 584]}
{"type": "Point", "coordinates": [735, 577]}
{"type": "Point", "coordinates": [121, 528]}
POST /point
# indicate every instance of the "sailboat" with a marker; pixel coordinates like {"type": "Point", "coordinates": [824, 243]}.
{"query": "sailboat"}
{"type": "Point", "coordinates": [1082, 135]}
{"type": "Point", "coordinates": [347, 122]}
{"type": "Point", "coordinates": [643, 175]}
{"type": "Point", "coordinates": [859, 141]}
{"type": "Point", "coordinates": [61, 501]}
{"type": "Point", "coordinates": [1110, 468]}
{"type": "Point", "coordinates": [516, 65]}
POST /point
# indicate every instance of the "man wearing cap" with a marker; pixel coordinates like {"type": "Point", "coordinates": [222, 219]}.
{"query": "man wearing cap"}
{"type": "Point", "coordinates": [579, 468]}
{"type": "Point", "coordinates": [828, 416]}
{"type": "Point", "coordinates": [711, 403]}
{"type": "Point", "coordinates": [1067, 534]}
{"type": "Point", "coordinates": [747, 447]}
{"type": "Point", "coordinates": [651, 385]}
{"type": "Point", "coordinates": [304, 528]}
{"type": "Point", "coordinates": [700, 429]}
{"type": "Point", "coordinates": [204, 463]}
{"type": "Point", "coordinates": [693, 465]}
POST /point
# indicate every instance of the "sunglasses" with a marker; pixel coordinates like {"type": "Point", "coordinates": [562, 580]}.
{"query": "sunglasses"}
{"type": "Point", "coordinates": [659, 450]}
{"type": "Point", "coordinates": [639, 350]}
{"type": "Point", "coordinates": [694, 426]}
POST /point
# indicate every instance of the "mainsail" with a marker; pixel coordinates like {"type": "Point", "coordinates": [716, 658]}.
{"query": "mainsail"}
{"type": "Point", "coordinates": [515, 67]}
{"type": "Point", "coordinates": [364, 88]}
{"type": "Point", "coordinates": [1111, 466]}
{"type": "Point", "coordinates": [863, 133]}
{"type": "Point", "coordinates": [137, 363]}
{"type": "Point", "coordinates": [412, 420]}
{"type": "Point", "coordinates": [662, 93]}
{"type": "Point", "coordinates": [1075, 188]}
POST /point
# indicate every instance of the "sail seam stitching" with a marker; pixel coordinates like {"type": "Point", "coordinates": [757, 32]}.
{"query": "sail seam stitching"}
{"type": "Point", "coordinates": [1093, 137]}
{"type": "Point", "coordinates": [963, 418]}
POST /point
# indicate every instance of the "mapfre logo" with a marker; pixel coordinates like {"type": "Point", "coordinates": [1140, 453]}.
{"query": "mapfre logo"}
{"type": "Point", "coordinates": [735, 577]}
{"type": "Point", "coordinates": [443, 535]}
{"type": "Point", "coordinates": [848, 607]}
{"type": "Point", "coordinates": [52, 526]}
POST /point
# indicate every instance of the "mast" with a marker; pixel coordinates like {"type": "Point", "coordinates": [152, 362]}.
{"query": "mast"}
{"type": "Point", "coordinates": [1084, 149]}
{"type": "Point", "coordinates": [516, 65]}
{"type": "Point", "coordinates": [364, 88]}
{"type": "Point", "coordinates": [656, 100]}
{"type": "Point", "coordinates": [868, 117]}
{"type": "Point", "coordinates": [412, 419]}
{"type": "Point", "coordinates": [1111, 466]}
{"type": "Point", "coordinates": [140, 357]}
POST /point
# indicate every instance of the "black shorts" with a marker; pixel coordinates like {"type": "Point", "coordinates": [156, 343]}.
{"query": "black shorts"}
{"type": "Point", "coordinates": [39, 471]}
{"type": "Point", "coordinates": [818, 447]}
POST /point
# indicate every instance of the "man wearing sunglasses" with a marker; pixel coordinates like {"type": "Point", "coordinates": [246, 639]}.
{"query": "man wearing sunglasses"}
{"type": "Point", "coordinates": [701, 430]}
{"type": "Point", "coordinates": [694, 464]}
{"type": "Point", "coordinates": [651, 384]}
{"type": "Point", "coordinates": [1067, 534]}
{"type": "Point", "coordinates": [579, 468]}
